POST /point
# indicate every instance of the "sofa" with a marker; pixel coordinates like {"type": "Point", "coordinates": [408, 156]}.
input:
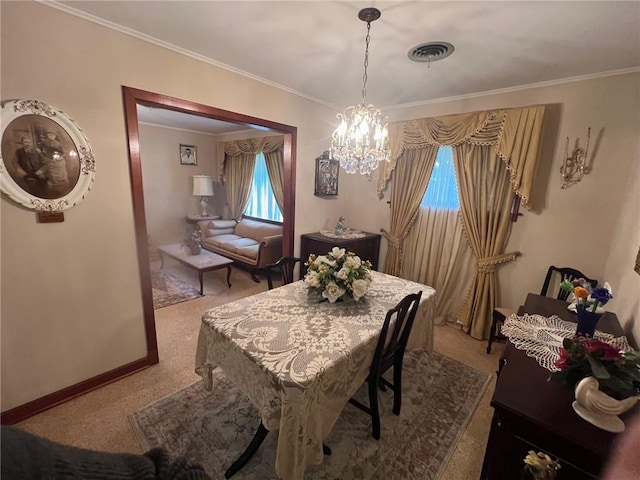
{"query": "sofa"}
{"type": "Point", "coordinates": [250, 243]}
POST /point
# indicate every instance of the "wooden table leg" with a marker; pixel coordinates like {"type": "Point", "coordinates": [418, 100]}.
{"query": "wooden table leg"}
{"type": "Point", "coordinates": [245, 456]}
{"type": "Point", "coordinates": [200, 278]}
{"type": "Point", "coordinates": [229, 275]}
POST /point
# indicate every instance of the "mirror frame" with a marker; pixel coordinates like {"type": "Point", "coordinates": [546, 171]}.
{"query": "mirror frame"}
{"type": "Point", "coordinates": [132, 97]}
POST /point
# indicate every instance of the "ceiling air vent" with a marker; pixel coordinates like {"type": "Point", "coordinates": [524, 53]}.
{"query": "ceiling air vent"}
{"type": "Point", "coordinates": [430, 52]}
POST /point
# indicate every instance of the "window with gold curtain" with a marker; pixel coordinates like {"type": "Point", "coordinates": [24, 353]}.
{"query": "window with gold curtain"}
{"type": "Point", "coordinates": [495, 154]}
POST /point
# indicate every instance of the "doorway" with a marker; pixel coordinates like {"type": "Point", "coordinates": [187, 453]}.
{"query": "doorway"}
{"type": "Point", "coordinates": [134, 97]}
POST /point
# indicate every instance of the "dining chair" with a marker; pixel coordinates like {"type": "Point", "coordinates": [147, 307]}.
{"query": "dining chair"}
{"type": "Point", "coordinates": [285, 267]}
{"type": "Point", "coordinates": [565, 273]}
{"type": "Point", "coordinates": [389, 353]}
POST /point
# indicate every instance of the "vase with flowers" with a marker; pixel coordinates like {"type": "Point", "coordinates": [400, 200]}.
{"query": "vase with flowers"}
{"type": "Point", "coordinates": [192, 242]}
{"type": "Point", "coordinates": [605, 380]}
{"type": "Point", "coordinates": [588, 304]}
{"type": "Point", "coordinates": [337, 275]}
{"type": "Point", "coordinates": [617, 372]}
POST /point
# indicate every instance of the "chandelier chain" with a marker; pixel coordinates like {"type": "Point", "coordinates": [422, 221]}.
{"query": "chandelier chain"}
{"type": "Point", "coordinates": [366, 63]}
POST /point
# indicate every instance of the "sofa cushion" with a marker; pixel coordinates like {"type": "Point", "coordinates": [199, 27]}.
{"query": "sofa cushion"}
{"type": "Point", "coordinates": [223, 223]}
{"type": "Point", "coordinates": [250, 251]}
{"type": "Point", "coordinates": [210, 232]}
{"type": "Point", "coordinates": [220, 240]}
{"type": "Point", "coordinates": [256, 230]}
{"type": "Point", "coordinates": [233, 245]}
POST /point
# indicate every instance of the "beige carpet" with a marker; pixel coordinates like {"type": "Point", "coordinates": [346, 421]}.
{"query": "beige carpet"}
{"type": "Point", "coordinates": [98, 420]}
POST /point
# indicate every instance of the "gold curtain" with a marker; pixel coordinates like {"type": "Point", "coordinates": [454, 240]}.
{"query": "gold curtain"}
{"type": "Point", "coordinates": [508, 140]}
{"type": "Point", "coordinates": [485, 206]}
{"type": "Point", "coordinates": [409, 184]}
{"type": "Point", "coordinates": [239, 163]}
{"type": "Point", "coordinates": [275, 169]}
{"type": "Point", "coordinates": [239, 175]}
{"type": "Point", "coordinates": [248, 145]}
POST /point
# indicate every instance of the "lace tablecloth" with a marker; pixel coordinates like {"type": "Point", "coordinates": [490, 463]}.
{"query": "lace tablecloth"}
{"type": "Point", "coordinates": [300, 360]}
{"type": "Point", "coordinates": [541, 337]}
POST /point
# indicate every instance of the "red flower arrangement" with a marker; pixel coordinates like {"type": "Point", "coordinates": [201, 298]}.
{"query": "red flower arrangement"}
{"type": "Point", "coordinates": [617, 372]}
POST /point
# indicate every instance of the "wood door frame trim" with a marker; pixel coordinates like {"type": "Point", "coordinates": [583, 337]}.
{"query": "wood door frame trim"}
{"type": "Point", "coordinates": [134, 96]}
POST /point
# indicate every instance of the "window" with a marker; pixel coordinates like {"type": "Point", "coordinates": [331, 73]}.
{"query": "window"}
{"type": "Point", "coordinates": [442, 190]}
{"type": "Point", "coordinates": [262, 203]}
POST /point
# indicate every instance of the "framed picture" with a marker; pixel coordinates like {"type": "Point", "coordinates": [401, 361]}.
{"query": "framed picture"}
{"type": "Point", "coordinates": [46, 162]}
{"type": "Point", "coordinates": [327, 170]}
{"type": "Point", "coordinates": [188, 155]}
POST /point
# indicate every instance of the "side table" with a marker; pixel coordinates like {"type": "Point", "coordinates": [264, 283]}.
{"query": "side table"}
{"type": "Point", "coordinates": [367, 247]}
{"type": "Point", "coordinates": [194, 219]}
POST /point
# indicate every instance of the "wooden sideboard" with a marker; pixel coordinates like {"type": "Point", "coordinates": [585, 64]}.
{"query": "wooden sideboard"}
{"type": "Point", "coordinates": [532, 413]}
{"type": "Point", "coordinates": [367, 247]}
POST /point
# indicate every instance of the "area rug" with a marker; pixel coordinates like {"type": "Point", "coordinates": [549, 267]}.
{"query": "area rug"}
{"type": "Point", "coordinates": [212, 428]}
{"type": "Point", "coordinates": [168, 289]}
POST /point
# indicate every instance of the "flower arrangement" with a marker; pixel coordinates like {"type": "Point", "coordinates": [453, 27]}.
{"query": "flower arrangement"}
{"type": "Point", "coordinates": [192, 242]}
{"type": "Point", "coordinates": [541, 466]}
{"type": "Point", "coordinates": [338, 273]}
{"type": "Point", "coordinates": [585, 296]}
{"type": "Point", "coordinates": [617, 372]}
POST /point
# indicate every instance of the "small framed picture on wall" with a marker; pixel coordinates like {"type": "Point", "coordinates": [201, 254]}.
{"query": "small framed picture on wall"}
{"type": "Point", "coordinates": [188, 155]}
{"type": "Point", "coordinates": [326, 184]}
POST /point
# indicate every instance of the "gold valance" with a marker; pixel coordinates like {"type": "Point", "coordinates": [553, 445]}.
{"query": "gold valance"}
{"type": "Point", "coordinates": [249, 146]}
{"type": "Point", "coordinates": [515, 132]}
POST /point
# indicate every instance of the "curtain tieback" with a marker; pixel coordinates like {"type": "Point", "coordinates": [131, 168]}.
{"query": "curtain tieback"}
{"type": "Point", "coordinates": [488, 264]}
{"type": "Point", "coordinates": [392, 239]}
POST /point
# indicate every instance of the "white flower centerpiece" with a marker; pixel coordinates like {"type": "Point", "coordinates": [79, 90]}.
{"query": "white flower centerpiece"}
{"type": "Point", "coordinates": [338, 274]}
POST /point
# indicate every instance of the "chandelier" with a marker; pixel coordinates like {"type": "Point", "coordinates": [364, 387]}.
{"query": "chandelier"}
{"type": "Point", "coordinates": [361, 141]}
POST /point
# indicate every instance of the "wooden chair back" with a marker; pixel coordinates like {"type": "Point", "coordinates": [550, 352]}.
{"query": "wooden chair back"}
{"type": "Point", "coordinates": [566, 273]}
{"type": "Point", "coordinates": [393, 338]}
{"type": "Point", "coordinates": [285, 267]}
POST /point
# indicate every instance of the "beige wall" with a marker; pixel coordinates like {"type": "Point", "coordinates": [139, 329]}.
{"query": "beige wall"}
{"type": "Point", "coordinates": [168, 185]}
{"type": "Point", "coordinates": [593, 226]}
{"type": "Point", "coordinates": [70, 300]}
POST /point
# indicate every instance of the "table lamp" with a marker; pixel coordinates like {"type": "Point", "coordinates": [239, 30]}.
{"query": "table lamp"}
{"type": "Point", "coordinates": [203, 188]}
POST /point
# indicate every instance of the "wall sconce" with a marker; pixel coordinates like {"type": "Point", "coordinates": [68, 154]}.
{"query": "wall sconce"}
{"type": "Point", "coordinates": [574, 166]}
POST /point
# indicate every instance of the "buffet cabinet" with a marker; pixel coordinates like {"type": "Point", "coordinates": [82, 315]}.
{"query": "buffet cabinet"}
{"type": "Point", "coordinates": [367, 247]}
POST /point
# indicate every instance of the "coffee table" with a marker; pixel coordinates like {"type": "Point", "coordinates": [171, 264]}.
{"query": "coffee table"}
{"type": "Point", "coordinates": [205, 261]}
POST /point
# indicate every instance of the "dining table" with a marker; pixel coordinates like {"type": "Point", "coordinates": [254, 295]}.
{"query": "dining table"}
{"type": "Point", "coordinates": [299, 359]}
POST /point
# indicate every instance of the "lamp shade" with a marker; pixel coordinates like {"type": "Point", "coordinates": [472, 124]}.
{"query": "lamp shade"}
{"type": "Point", "coordinates": [202, 186]}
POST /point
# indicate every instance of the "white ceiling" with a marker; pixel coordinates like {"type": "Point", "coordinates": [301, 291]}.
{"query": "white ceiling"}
{"type": "Point", "coordinates": [316, 49]}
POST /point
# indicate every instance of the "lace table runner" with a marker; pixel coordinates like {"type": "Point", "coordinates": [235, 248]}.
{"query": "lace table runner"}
{"type": "Point", "coordinates": [347, 234]}
{"type": "Point", "coordinates": [541, 337]}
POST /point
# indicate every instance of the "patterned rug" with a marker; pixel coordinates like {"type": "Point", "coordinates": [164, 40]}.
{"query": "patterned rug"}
{"type": "Point", "coordinates": [168, 290]}
{"type": "Point", "coordinates": [212, 428]}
